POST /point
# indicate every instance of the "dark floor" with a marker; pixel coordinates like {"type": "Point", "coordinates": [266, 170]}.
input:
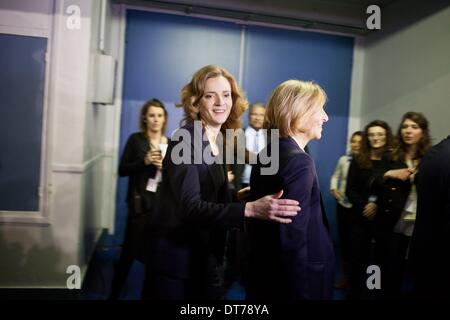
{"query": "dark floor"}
{"type": "Point", "coordinates": [100, 272]}
{"type": "Point", "coordinates": [97, 283]}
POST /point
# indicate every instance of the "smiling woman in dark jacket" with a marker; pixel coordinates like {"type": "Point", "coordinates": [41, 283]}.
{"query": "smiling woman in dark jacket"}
{"type": "Point", "coordinates": [368, 166]}
{"type": "Point", "coordinates": [292, 261]}
{"type": "Point", "coordinates": [194, 209]}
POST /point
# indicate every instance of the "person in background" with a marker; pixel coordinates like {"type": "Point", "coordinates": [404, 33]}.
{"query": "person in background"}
{"type": "Point", "coordinates": [255, 140]}
{"type": "Point", "coordinates": [397, 202]}
{"type": "Point", "coordinates": [141, 162]}
{"type": "Point", "coordinates": [366, 166]}
{"type": "Point", "coordinates": [338, 185]}
{"type": "Point", "coordinates": [237, 248]}
{"type": "Point", "coordinates": [430, 240]}
{"type": "Point", "coordinates": [292, 261]}
{"type": "Point", "coordinates": [194, 208]}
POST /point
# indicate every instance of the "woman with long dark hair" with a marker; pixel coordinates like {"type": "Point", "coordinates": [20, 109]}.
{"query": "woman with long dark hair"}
{"type": "Point", "coordinates": [398, 201]}
{"type": "Point", "coordinates": [370, 163]}
{"type": "Point", "coordinates": [141, 162]}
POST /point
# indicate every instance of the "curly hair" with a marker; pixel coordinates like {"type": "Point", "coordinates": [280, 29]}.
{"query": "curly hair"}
{"type": "Point", "coordinates": [192, 92]}
{"type": "Point", "coordinates": [424, 143]}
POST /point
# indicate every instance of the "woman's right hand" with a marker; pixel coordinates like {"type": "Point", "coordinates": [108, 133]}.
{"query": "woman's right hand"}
{"type": "Point", "coordinates": [154, 157]}
{"type": "Point", "coordinates": [273, 208]}
{"type": "Point", "coordinates": [370, 210]}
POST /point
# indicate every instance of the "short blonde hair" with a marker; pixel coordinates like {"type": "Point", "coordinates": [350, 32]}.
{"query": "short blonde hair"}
{"type": "Point", "coordinates": [290, 102]}
{"type": "Point", "coordinates": [193, 92]}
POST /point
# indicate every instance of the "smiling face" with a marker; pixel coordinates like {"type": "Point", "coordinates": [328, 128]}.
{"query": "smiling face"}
{"type": "Point", "coordinates": [155, 119]}
{"type": "Point", "coordinates": [312, 125]}
{"type": "Point", "coordinates": [377, 137]}
{"type": "Point", "coordinates": [411, 132]}
{"type": "Point", "coordinates": [216, 102]}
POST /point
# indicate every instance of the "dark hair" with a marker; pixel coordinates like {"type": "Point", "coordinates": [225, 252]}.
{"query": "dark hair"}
{"type": "Point", "coordinates": [151, 103]}
{"type": "Point", "coordinates": [357, 133]}
{"type": "Point", "coordinates": [363, 158]}
{"type": "Point", "coordinates": [424, 143]}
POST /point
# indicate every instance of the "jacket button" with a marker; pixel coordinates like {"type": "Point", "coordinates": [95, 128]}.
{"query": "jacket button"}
{"type": "Point", "coordinates": [393, 188]}
{"type": "Point", "coordinates": [390, 200]}
{"type": "Point", "coordinates": [387, 210]}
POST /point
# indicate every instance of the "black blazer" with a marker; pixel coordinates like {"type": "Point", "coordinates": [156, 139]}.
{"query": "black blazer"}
{"type": "Point", "coordinates": [132, 166]}
{"type": "Point", "coordinates": [193, 212]}
{"type": "Point", "coordinates": [392, 197]}
{"type": "Point", "coordinates": [361, 183]}
{"type": "Point", "coordinates": [296, 260]}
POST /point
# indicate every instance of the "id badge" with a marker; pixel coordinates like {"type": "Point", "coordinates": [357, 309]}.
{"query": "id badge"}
{"type": "Point", "coordinates": [152, 185]}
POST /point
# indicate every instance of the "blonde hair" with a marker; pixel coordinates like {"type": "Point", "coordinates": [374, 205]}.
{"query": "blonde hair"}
{"type": "Point", "coordinates": [193, 92]}
{"type": "Point", "coordinates": [291, 103]}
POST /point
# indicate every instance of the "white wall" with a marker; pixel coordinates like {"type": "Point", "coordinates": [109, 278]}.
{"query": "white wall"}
{"type": "Point", "coordinates": [78, 166]}
{"type": "Point", "coordinates": [409, 70]}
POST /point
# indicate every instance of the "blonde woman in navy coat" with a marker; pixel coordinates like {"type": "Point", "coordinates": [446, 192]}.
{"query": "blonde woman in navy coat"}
{"type": "Point", "coordinates": [296, 260]}
{"type": "Point", "coordinates": [194, 210]}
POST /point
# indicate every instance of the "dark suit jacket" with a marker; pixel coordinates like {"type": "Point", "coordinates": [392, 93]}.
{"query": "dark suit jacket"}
{"type": "Point", "coordinates": [430, 241]}
{"type": "Point", "coordinates": [192, 215]}
{"type": "Point", "coordinates": [392, 197]}
{"type": "Point", "coordinates": [132, 165]}
{"type": "Point", "coordinates": [290, 261]}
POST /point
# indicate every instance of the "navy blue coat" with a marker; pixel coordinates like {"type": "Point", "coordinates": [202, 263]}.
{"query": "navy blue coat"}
{"type": "Point", "coordinates": [296, 260]}
{"type": "Point", "coordinates": [193, 212]}
{"type": "Point", "coordinates": [430, 243]}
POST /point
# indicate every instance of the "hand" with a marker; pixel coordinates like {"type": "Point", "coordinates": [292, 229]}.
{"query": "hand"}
{"type": "Point", "coordinates": [230, 176]}
{"type": "Point", "coordinates": [243, 194]}
{"type": "Point", "coordinates": [336, 194]}
{"type": "Point", "coordinates": [370, 210]}
{"type": "Point", "coordinates": [401, 174]}
{"type": "Point", "coordinates": [154, 157]}
{"type": "Point", "coordinates": [273, 208]}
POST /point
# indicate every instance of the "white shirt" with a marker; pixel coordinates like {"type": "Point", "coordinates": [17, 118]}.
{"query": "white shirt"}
{"type": "Point", "coordinates": [339, 179]}
{"type": "Point", "coordinates": [255, 141]}
{"type": "Point", "coordinates": [405, 225]}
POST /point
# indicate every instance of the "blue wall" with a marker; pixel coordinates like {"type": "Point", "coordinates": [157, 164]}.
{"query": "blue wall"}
{"type": "Point", "coordinates": [163, 51]}
{"type": "Point", "coordinates": [275, 55]}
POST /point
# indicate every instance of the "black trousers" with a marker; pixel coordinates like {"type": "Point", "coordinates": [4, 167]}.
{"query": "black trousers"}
{"type": "Point", "coordinates": [392, 250]}
{"type": "Point", "coordinates": [130, 251]}
{"type": "Point", "coordinates": [205, 283]}
{"type": "Point", "coordinates": [344, 217]}
{"type": "Point", "coordinates": [362, 233]}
